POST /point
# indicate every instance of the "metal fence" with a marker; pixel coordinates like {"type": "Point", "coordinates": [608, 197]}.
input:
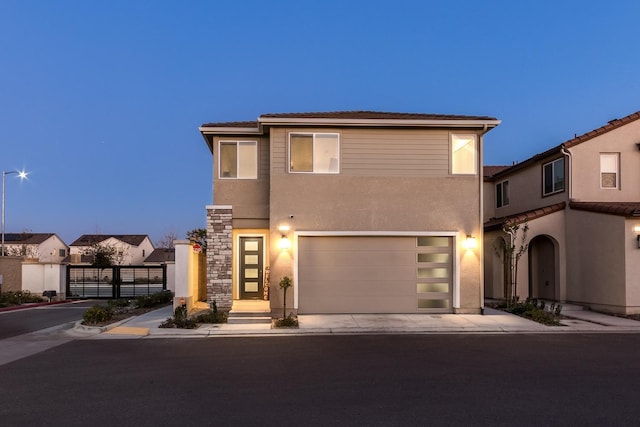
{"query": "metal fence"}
{"type": "Point", "coordinates": [115, 281]}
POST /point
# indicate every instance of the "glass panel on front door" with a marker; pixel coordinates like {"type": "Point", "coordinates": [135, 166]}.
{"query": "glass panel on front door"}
{"type": "Point", "coordinates": [251, 267]}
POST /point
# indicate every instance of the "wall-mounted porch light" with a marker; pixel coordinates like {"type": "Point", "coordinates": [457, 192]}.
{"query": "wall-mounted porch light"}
{"type": "Point", "coordinates": [636, 229]}
{"type": "Point", "coordinates": [470, 242]}
{"type": "Point", "coordinates": [284, 243]}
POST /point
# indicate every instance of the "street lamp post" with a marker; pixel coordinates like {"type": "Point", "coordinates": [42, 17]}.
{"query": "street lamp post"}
{"type": "Point", "coordinates": [21, 175]}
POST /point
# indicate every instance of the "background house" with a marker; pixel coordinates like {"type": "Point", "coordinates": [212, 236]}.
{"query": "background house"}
{"type": "Point", "coordinates": [131, 249]}
{"type": "Point", "coordinates": [581, 200]}
{"type": "Point", "coordinates": [45, 247]}
{"type": "Point", "coordinates": [367, 212]}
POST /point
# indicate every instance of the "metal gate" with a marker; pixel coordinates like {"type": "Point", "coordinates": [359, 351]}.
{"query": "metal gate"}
{"type": "Point", "coordinates": [115, 281]}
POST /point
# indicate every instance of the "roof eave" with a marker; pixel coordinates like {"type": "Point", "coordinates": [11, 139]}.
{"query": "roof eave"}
{"type": "Point", "coordinates": [453, 123]}
{"type": "Point", "coordinates": [222, 130]}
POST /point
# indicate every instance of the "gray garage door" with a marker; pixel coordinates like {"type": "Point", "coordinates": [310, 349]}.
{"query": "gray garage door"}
{"type": "Point", "coordinates": [348, 274]}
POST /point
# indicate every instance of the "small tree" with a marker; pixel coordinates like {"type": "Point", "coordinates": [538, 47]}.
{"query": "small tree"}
{"type": "Point", "coordinates": [285, 283]}
{"type": "Point", "coordinates": [103, 255]}
{"type": "Point", "coordinates": [511, 253]}
{"type": "Point", "coordinates": [167, 240]}
{"type": "Point", "coordinates": [198, 235]}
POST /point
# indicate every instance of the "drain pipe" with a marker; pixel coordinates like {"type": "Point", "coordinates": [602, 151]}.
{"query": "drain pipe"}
{"type": "Point", "coordinates": [567, 154]}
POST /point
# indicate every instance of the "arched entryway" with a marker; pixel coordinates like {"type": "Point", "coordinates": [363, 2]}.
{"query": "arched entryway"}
{"type": "Point", "coordinates": [495, 287]}
{"type": "Point", "coordinates": [542, 268]}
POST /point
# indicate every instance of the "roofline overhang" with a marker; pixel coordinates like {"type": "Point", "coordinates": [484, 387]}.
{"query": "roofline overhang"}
{"type": "Point", "coordinates": [213, 130]}
{"type": "Point", "coordinates": [453, 123]}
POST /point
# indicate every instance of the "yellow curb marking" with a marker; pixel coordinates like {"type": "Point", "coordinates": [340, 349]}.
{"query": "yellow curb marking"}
{"type": "Point", "coordinates": [128, 330]}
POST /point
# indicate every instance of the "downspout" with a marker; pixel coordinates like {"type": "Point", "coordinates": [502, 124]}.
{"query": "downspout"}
{"type": "Point", "coordinates": [481, 245]}
{"type": "Point", "coordinates": [567, 154]}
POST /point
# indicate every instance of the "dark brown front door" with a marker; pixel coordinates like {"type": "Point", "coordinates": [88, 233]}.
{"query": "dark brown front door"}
{"type": "Point", "coordinates": [251, 268]}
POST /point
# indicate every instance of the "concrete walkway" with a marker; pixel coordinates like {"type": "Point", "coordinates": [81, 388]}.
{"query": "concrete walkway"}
{"type": "Point", "coordinates": [493, 321]}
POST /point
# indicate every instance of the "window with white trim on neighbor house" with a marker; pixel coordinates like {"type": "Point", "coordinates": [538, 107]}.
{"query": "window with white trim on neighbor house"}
{"type": "Point", "coordinates": [238, 160]}
{"type": "Point", "coordinates": [502, 194]}
{"type": "Point", "coordinates": [464, 154]}
{"type": "Point", "coordinates": [609, 177]}
{"type": "Point", "coordinates": [553, 177]}
{"type": "Point", "coordinates": [314, 152]}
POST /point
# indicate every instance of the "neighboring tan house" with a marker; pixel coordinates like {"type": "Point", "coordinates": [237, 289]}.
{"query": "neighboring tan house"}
{"type": "Point", "coordinates": [581, 200]}
{"type": "Point", "coordinates": [130, 249]}
{"type": "Point", "coordinates": [45, 247]}
{"type": "Point", "coordinates": [366, 212]}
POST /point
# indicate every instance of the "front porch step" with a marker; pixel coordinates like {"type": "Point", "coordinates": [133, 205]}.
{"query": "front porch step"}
{"type": "Point", "coordinates": [247, 320]}
{"type": "Point", "coordinates": [249, 312]}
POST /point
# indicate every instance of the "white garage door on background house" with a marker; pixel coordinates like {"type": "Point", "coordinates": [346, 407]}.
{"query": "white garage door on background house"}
{"type": "Point", "coordinates": [374, 274]}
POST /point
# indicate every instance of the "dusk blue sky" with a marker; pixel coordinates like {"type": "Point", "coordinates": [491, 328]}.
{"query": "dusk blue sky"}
{"type": "Point", "coordinates": [101, 100]}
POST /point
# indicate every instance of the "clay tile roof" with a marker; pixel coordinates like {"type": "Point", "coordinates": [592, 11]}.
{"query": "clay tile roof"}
{"type": "Point", "coordinates": [628, 209]}
{"type": "Point", "coordinates": [364, 115]}
{"type": "Point", "coordinates": [489, 171]}
{"type": "Point", "coordinates": [496, 223]}
{"type": "Point", "coordinates": [611, 125]}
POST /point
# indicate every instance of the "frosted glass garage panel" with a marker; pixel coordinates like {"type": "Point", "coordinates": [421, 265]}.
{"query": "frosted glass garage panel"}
{"type": "Point", "coordinates": [432, 287]}
{"type": "Point", "coordinates": [434, 241]}
{"type": "Point", "coordinates": [433, 257]}
{"type": "Point", "coordinates": [430, 273]}
{"type": "Point", "coordinates": [433, 303]}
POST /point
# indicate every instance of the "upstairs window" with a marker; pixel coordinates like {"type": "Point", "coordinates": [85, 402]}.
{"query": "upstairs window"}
{"type": "Point", "coordinates": [238, 159]}
{"type": "Point", "coordinates": [553, 177]}
{"type": "Point", "coordinates": [314, 152]}
{"type": "Point", "coordinates": [464, 154]}
{"type": "Point", "coordinates": [502, 194]}
{"type": "Point", "coordinates": [609, 163]}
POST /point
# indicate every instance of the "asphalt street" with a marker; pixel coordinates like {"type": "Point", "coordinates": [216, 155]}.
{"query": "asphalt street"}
{"type": "Point", "coordinates": [14, 323]}
{"type": "Point", "coordinates": [377, 380]}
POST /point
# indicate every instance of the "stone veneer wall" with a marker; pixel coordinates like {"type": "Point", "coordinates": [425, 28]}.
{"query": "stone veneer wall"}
{"type": "Point", "coordinates": [219, 256]}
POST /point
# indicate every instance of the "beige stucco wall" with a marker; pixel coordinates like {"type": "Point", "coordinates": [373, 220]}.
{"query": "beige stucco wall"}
{"type": "Point", "coordinates": [586, 166]}
{"type": "Point", "coordinates": [365, 198]}
{"type": "Point", "coordinates": [596, 261]}
{"type": "Point", "coordinates": [525, 191]}
{"type": "Point", "coordinates": [551, 226]}
{"type": "Point", "coordinates": [249, 197]}
{"type": "Point", "coordinates": [632, 264]}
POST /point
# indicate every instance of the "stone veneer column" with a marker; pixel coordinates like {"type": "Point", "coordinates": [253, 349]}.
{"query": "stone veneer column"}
{"type": "Point", "coordinates": [219, 256]}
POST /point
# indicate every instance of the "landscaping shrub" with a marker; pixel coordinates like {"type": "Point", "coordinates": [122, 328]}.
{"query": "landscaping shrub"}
{"type": "Point", "coordinates": [159, 298]}
{"type": "Point", "coordinates": [287, 322]}
{"type": "Point", "coordinates": [17, 298]}
{"type": "Point", "coordinates": [534, 310]}
{"type": "Point", "coordinates": [97, 314]}
{"type": "Point", "coordinates": [180, 319]}
{"type": "Point", "coordinates": [213, 315]}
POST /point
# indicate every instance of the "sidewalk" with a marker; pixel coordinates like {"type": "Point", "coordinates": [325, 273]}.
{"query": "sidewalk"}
{"type": "Point", "coordinates": [493, 321]}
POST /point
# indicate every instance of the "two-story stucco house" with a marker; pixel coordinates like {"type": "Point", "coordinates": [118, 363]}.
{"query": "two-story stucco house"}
{"type": "Point", "coordinates": [130, 249]}
{"type": "Point", "coordinates": [367, 212]}
{"type": "Point", "coordinates": [581, 200]}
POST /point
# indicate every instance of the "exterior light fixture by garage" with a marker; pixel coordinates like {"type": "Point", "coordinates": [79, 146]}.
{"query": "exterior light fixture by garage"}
{"type": "Point", "coordinates": [22, 175]}
{"type": "Point", "coordinates": [284, 243]}
{"type": "Point", "coordinates": [470, 243]}
{"type": "Point", "coordinates": [636, 229]}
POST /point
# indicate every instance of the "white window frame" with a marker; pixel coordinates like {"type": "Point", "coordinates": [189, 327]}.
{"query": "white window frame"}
{"type": "Point", "coordinates": [458, 169]}
{"type": "Point", "coordinates": [616, 170]}
{"type": "Point", "coordinates": [501, 200]}
{"type": "Point", "coordinates": [553, 169]}
{"type": "Point", "coordinates": [314, 134]}
{"type": "Point", "coordinates": [237, 143]}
